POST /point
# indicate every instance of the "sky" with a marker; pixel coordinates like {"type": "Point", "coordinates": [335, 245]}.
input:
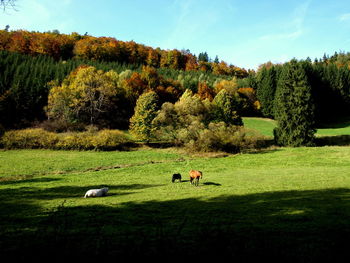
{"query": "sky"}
{"type": "Point", "coordinates": [244, 33]}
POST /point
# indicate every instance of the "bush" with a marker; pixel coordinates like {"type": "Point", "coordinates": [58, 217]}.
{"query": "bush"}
{"type": "Point", "coordinates": [197, 137]}
{"type": "Point", "coordinates": [41, 139]}
{"type": "Point", "coordinates": [29, 139]}
{"type": "Point", "coordinates": [109, 140]}
{"type": "Point", "coordinates": [220, 137]}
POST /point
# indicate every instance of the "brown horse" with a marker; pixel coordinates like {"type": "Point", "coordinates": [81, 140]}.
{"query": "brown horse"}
{"type": "Point", "coordinates": [194, 177]}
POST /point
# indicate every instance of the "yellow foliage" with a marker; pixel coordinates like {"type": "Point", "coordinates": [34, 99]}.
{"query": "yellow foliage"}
{"type": "Point", "coordinates": [85, 90]}
{"type": "Point", "coordinates": [229, 85]}
{"type": "Point", "coordinates": [39, 138]}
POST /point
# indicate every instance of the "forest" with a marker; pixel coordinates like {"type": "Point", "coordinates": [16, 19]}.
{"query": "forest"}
{"type": "Point", "coordinates": [70, 82]}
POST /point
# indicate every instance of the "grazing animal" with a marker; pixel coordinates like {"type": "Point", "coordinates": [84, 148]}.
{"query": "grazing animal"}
{"type": "Point", "coordinates": [194, 177]}
{"type": "Point", "coordinates": [96, 192]}
{"type": "Point", "coordinates": [176, 177]}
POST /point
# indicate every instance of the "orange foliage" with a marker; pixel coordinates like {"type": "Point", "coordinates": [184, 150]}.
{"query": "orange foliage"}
{"type": "Point", "coordinates": [248, 93]}
{"type": "Point", "coordinates": [153, 58]}
{"type": "Point", "coordinates": [20, 41]}
{"type": "Point", "coordinates": [136, 84]}
{"type": "Point", "coordinates": [191, 63]}
{"type": "Point", "coordinates": [102, 48]}
{"type": "Point", "coordinates": [108, 49]}
{"type": "Point", "coordinates": [5, 39]}
{"type": "Point", "coordinates": [205, 92]}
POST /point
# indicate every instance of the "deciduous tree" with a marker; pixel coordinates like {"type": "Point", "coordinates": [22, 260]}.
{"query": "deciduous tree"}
{"type": "Point", "coordinates": [83, 96]}
{"type": "Point", "coordinates": [145, 111]}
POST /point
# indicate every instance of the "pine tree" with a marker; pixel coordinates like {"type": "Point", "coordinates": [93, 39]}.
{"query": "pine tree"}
{"type": "Point", "coordinates": [294, 107]}
{"type": "Point", "coordinates": [145, 111]}
{"type": "Point", "coordinates": [203, 56]}
{"type": "Point", "coordinates": [266, 90]}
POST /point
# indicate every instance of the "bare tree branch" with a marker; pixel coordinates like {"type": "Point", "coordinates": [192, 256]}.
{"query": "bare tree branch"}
{"type": "Point", "coordinates": [5, 4]}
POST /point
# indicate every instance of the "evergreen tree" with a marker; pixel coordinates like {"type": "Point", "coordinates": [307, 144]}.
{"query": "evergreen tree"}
{"type": "Point", "coordinates": [203, 57]}
{"type": "Point", "coordinates": [216, 60]}
{"type": "Point", "coordinates": [294, 107]}
{"type": "Point", "coordinates": [145, 111]}
{"type": "Point", "coordinates": [266, 89]}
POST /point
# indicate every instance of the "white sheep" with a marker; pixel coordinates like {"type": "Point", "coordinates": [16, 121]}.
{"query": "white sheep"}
{"type": "Point", "coordinates": [96, 192]}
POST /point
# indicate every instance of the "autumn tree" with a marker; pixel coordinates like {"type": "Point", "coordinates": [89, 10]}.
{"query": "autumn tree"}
{"type": "Point", "coordinates": [205, 92]}
{"type": "Point", "coordinates": [145, 111]}
{"type": "Point", "coordinates": [225, 108]}
{"type": "Point", "coordinates": [191, 62]}
{"type": "Point", "coordinates": [134, 85]}
{"type": "Point", "coordinates": [83, 96]}
{"type": "Point", "coordinates": [173, 120]}
{"type": "Point", "coordinates": [153, 58]}
{"type": "Point", "coordinates": [150, 76]}
{"type": "Point", "coordinates": [249, 105]}
{"type": "Point", "coordinates": [98, 48]}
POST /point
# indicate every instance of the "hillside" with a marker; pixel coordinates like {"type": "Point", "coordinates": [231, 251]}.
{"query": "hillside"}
{"type": "Point", "coordinates": [64, 47]}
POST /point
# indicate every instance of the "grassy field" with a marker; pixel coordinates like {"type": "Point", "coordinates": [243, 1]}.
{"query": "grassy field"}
{"type": "Point", "coordinates": [265, 127]}
{"type": "Point", "coordinates": [291, 204]}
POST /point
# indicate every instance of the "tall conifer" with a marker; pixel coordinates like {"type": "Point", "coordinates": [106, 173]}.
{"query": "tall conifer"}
{"type": "Point", "coordinates": [266, 90]}
{"type": "Point", "coordinates": [294, 107]}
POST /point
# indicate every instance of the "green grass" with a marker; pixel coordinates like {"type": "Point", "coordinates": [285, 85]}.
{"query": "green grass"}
{"type": "Point", "coordinates": [286, 203]}
{"type": "Point", "coordinates": [335, 129]}
{"type": "Point", "coordinates": [265, 127]}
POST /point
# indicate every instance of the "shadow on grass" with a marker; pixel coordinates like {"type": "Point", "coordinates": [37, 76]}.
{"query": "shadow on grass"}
{"type": "Point", "coordinates": [8, 180]}
{"type": "Point", "coordinates": [337, 140]}
{"type": "Point", "coordinates": [340, 123]}
{"type": "Point", "coordinates": [291, 226]}
{"type": "Point", "coordinates": [62, 192]}
{"type": "Point", "coordinates": [211, 183]}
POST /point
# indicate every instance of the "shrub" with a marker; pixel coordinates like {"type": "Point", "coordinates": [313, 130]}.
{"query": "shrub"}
{"type": "Point", "coordinates": [75, 141]}
{"type": "Point", "coordinates": [39, 138]}
{"type": "Point", "coordinates": [220, 137]}
{"type": "Point", "coordinates": [109, 140]}
{"type": "Point", "coordinates": [29, 139]}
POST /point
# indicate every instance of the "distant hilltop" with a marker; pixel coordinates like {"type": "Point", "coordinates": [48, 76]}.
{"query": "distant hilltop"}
{"type": "Point", "coordinates": [64, 46]}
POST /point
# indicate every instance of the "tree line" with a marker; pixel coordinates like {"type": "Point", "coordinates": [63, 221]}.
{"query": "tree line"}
{"type": "Point", "coordinates": [26, 81]}
{"type": "Point", "coordinates": [329, 81]}
{"type": "Point", "coordinates": [74, 45]}
{"type": "Point", "coordinates": [303, 95]}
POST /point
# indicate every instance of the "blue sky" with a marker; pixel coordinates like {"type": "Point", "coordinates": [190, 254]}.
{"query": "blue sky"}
{"type": "Point", "coordinates": [245, 33]}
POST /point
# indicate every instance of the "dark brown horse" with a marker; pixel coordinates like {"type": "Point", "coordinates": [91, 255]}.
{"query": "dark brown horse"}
{"type": "Point", "coordinates": [194, 177]}
{"type": "Point", "coordinates": [176, 177]}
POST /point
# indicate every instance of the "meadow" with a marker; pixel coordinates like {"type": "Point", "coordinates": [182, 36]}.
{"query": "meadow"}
{"type": "Point", "coordinates": [265, 126]}
{"type": "Point", "coordinates": [289, 204]}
